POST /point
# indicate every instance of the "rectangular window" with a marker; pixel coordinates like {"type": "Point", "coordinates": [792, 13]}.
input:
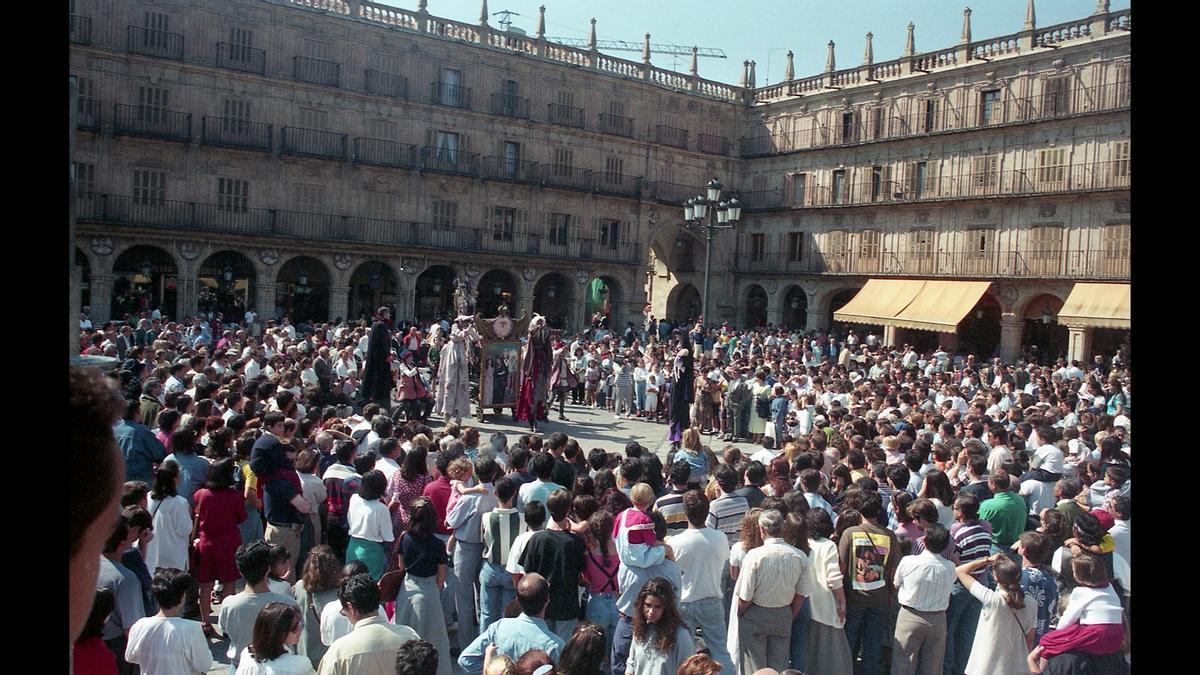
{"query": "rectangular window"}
{"type": "Point", "coordinates": [1116, 242]}
{"type": "Point", "coordinates": [316, 49]}
{"type": "Point", "coordinates": [988, 111]}
{"type": "Point", "coordinates": [1056, 97]}
{"type": "Point", "coordinates": [1120, 167]}
{"type": "Point", "coordinates": [1051, 169]}
{"type": "Point", "coordinates": [313, 119]}
{"type": "Point", "coordinates": [848, 135]}
{"type": "Point", "coordinates": [310, 197]}
{"type": "Point", "coordinates": [562, 162]}
{"type": "Point", "coordinates": [446, 144]}
{"type": "Point", "coordinates": [509, 89]}
{"type": "Point", "coordinates": [156, 25]}
{"type": "Point", "coordinates": [566, 99]}
{"type": "Point", "coordinates": [928, 115]}
{"type": "Point", "coordinates": [381, 205]}
{"type": "Point", "coordinates": [920, 243]}
{"type": "Point", "coordinates": [799, 188]}
{"type": "Point", "coordinates": [558, 229]}
{"type": "Point", "coordinates": [1045, 242]}
{"type": "Point", "coordinates": [85, 178]}
{"type": "Point", "coordinates": [614, 170]}
{"type": "Point", "coordinates": [504, 222]}
{"type": "Point", "coordinates": [445, 213]}
{"type": "Point", "coordinates": [233, 195]}
{"type": "Point", "coordinates": [512, 158]}
{"type": "Point", "coordinates": [236, 117]}
{"type": "Point", "coordinates": [919, 179]}
{"type": "Point", "coordinates": [877, 115]}
{"type": "Point", "coordinates": [795, 250]}
{"type": "Point", "coordinates": [152, 104]}
{"type": "Point", "coordinates": [610, 233]}
{"type": "Point", "coordinates": [240, 40]}
{"type": "Point", "coordinates": [839, 186]}
{"type": "Point", "coordinates": [758, 247]}
{"type": "Point", "coordinates": [876, 182]}
{"type": "Point", "coordinates": [616, 108]}
{"type": "Point", "coordinates": [868, 244]}
{"type": "Point", "coordinates": [450, 86]}
{"type": "Point", "coordinates": [984, 174]}
{"type": "Point", "coordinates": [980, 243]}
{"type": "Point", "coordinates": [85, 100]}
{"type": "Point", "coordinates": [149, 187]}
{"type": "Point", "coordinates": [383, 130]}
{"type": "Point", "coordinates": [835, 250]}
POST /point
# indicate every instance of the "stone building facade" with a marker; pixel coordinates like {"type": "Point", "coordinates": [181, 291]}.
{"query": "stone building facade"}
{"type": "Point", "coordinates": [322, 157]}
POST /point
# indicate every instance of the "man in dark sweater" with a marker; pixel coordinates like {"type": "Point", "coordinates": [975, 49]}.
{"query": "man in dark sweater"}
{"type": "Point", "coordinates": [756, 475]}
{"type": "Point", "coordinates": [556, 553]}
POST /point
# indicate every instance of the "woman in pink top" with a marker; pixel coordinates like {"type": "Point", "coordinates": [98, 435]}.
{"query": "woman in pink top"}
{"type": "Point", "coordinates": [406, 485]}
{"type": "Point", "coordinates": [600, 564]}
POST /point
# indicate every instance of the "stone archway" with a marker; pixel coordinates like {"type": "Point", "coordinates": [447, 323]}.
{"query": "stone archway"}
{"type": "Point", "coordinates": [684, 304]}
{"type": "Point", "coordinates": [1042, 334]}
{"type": "Point", "coordinates": [603, 297]}
{"type": "Point", "coordinates": [795, 308]}
{"type": "Point", "coordinates": [496, 288]}
{"type": "Point", "coordinates": [755, 306]}
{"type": "Point", "coordinates": [553, 299]}
{"type": "Point", "coordinates": [226, 285]}
{"type": "Point", "coordinates": [302, 290]}
{"type": "Point", "coordinates": [979, 331]}
{"type": "Point", "coordinates": [434, 294]}
{"type": "Point", "coordinates": [144, 278]}
{"type": "Point", "coordinates": [372, 285]}
{"type": "Point", "coordinates": [837, 301]}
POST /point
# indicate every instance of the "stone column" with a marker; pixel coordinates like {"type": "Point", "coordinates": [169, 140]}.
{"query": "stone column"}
{"type": "Point", "coordinates": [187, 297]}
{"type": "Point", "coordinates": [1012, 329]}
{"type": "Point", "coordinates": [339, 301]}
{"type": "Point", "coordinates": [816, 315]}
{"type": "Point", "coordinates": [892, 336]}
{"type": "Point", "coordinates": [1079, 343]}
{"type": "Point", "coordinates": [264, 300]}
{"type": "Point", "coordinates": [406, 288]}
{"type": "Point", "coordinates": [100, 297]}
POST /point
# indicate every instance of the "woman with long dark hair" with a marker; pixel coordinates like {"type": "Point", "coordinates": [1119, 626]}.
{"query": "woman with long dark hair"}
{"type": "Point", "coordinates": [370, 525]}
{"type": "Point", "coordinates": [406, 485]}
{"type": "Point", "coordinates": [317, 587]}
{"type": "Point", "coordinates": [936, 488]}
{"type": "Point", "coordinates": [600, 566]}
{"type": "Point", "coordinates": [826, 649]}
{"type": "Point", "coordinates": [584, 652]}
{"type": "Point", "coordinates": [795, 533]}
{"type": "Point", "coordinates": [1008, 620]}
{"type": "Point", "coordinates": [220, 509]}
{"type": "Point", "coordinates": [661, 640]}
{"type": "Point", "coordinates": [172, 520]}
{"type": "Point", "coordinates": [276, 628]}
{"type": "Point", "coordinates": [422, 557]}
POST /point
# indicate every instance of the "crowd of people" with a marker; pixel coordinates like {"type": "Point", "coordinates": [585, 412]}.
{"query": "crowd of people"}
{"type": "Point", "coordinates": [897, 511]}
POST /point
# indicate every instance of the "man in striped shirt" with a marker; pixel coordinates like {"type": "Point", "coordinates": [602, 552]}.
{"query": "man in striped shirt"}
{"type": "Point", "coordinates": [670, 505]}
{"type": "Point", "coordinates": [501, 527]}
{"type": "Point", "coordinates": [725, 513]}
{"type": "Point", "coordinates": [972, 540]}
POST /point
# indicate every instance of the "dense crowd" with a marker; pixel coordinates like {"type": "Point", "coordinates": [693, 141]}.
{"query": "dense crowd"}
{"type": "Point", "coordinates": [900, 510]}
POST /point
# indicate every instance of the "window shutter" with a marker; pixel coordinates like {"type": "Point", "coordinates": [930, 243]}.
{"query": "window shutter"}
{"type": "Point", "coordinates": [931, 178]}
{"type": "Point", "coordinates": [910, 178]}
{"type": "Point", "coordinates": [885, 182]}
{"type": "Point", "coordinates": [789, 183]}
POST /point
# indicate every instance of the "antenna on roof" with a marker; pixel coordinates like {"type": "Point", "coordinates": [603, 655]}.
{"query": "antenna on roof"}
{"type": "Point", "coordinates": [505, 18]}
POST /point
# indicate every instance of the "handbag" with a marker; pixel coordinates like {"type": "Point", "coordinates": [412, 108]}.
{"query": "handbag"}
{"type": "Point", "coordinates": [762, 407]}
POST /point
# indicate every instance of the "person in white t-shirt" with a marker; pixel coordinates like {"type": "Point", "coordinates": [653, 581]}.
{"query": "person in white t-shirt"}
{"type": "Point", "coordinates": [167, 643]}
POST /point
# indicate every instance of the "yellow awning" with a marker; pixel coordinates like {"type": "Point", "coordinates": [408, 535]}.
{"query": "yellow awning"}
{"type": "Point", "coordinates": [1099, 305]}
{"type": "Point", "coordinates": [878, 301]}
{"type": "Point", "coordinates": [941, 305]}
{"type": "Point", "coordinates": [921, 304]}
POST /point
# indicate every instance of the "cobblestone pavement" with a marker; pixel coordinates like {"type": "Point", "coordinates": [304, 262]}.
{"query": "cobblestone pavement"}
{"type": "Point", "coordinates": [592, 428]}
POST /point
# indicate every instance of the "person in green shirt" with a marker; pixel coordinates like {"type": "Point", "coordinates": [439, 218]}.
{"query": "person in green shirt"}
{"type": "Point", "coordinates": [1006, 511]}
{"type": "Point", "coordinates": [1068, 491]}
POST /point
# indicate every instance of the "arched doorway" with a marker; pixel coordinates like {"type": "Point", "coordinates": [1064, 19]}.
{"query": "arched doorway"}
{"type": "Point", "coordinates": [496, 288]}
{"type": "Point", "coordinates": [756, 306]}
{"type": "Point", "coordinates": [226, 285]}
{"type": "Point", "coordinates": [979, 330]}
{"type": "Point", "coordinates": [85, 278]}
{"type": "Point", "coordinates": [144, 278]}
{"type": "Point", "coordinates": [795, 308]}
{"type": "Point", "coordinates": [302, 290]}
{"type": "Point", "coordinates": [1043, 336]}
{"type": "Point", "coordinates": [683, 304]}
{"type": "Point", "coordinates": [372, 285]}
{"type": "Point", "coordinates": [552, 299]}
{"type": "Point", "coordinates": [603, 298]}
{"type": "Point", "coordinates": [840, 300]}
{"type": "Point", "coordinates": [435, 294]}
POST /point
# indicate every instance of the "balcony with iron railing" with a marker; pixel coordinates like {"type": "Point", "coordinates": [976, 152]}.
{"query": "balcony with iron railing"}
{"type": "Point", "coordinates": [1076, 101]}
{"type": "Point", "coordinates": [558, 175]}
{"type": "Point", "coordinates": [80, 29]}
{"type": "Point", "coordinates": [312, 143]}
{"type": "Point", "coordinates": [88, 114]}
{"type": "Point", "coordinates": [714, 145]}
{"type": "Point", "coordinates": [139, 120]}
{"type": "Point", "coordinates": [316, 71]}
{"type": "Point", "coordinates": [672, 136]}
{"type": "Point", "coordinates": [616, 184]}
{"type": "Point", "coordinates": [215, 219]}
{"type": "Point", "coordinates": [510, 106]}
{"type": "Point", "coordinates": [242, 58]}
{"type": "Point", "coordinates": [616, 125]}
{"type": "Point", "coordinates": [510, 169]}
{"type": "Point", "coordinates": [151, 42]}
{"type": "Point", "coordinates": [1096, 176]}
{"type": "Point", "coordinates": [565, 115]}
{"type": "Point", "coordinates": [380, 152]}
{"type": "Point", "coordinates": [386, 84]}
{"type": "Point", "coordinates": [1082, 264]}
{"type": "Point", "coordinates": [235, 132]}
{"type": "Point", "coordinates": [673, 193]}
{"type": "Point", "coordinates": [452, 95]}
{"type": "Point", "coordinates": [445, 160]}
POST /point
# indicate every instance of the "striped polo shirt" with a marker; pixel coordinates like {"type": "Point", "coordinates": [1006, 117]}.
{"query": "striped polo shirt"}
{"type": "Point", "coordinates": [972, 541]}
{"type": "Point", "coordinates": [725, 513]}
{"type": "Point", "coordinates": [501, 527]}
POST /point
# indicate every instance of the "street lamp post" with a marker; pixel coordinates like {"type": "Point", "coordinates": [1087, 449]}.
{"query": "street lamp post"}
{"type": "Point", "coordinates": [709, 213]}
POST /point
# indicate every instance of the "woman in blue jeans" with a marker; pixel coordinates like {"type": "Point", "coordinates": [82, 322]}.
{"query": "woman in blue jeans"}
{"type": "Point", "coordinates": [600, 563]}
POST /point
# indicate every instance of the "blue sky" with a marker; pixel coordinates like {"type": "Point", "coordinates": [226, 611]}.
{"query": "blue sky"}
{"type": "Point", "coordinates": [764, 30]}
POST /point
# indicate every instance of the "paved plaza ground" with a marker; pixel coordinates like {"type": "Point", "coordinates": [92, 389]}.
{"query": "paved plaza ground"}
{"type": "Point", "coordinates": [592, 428]}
